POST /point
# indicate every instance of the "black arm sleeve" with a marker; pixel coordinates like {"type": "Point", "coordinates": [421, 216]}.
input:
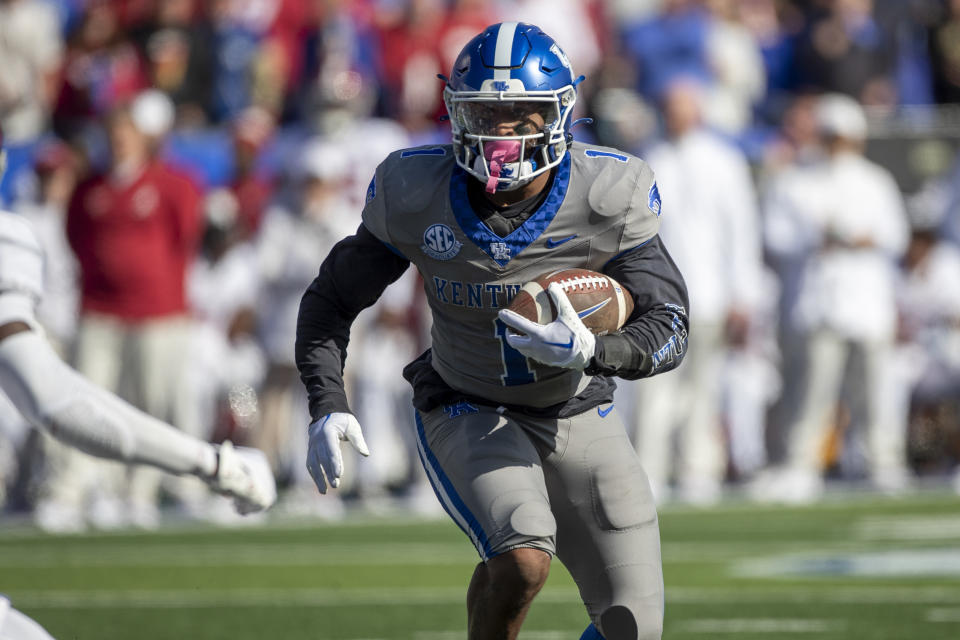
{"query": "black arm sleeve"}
{"type": "Point", "coordinates": [654, 338]}
{"type": "Point", "coordinates": [352, 277]}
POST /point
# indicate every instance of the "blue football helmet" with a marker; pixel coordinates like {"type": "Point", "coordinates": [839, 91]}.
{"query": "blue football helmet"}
{"type": "Point", "coordinates": [510, 96]}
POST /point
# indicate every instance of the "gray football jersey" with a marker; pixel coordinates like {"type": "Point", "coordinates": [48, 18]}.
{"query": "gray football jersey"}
{"type": "Point", "coordinates": [602, 202]}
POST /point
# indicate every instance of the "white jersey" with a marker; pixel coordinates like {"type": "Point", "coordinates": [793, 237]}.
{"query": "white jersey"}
{"type": "Point", "coordinates": [712, 226]}
{"type": "Point", "coordinates": [21, 270]}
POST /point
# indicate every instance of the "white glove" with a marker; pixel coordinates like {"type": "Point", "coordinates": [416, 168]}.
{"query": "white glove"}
{"type": "Point", "coordinates": [244, 475]}
{"type": "Point", "coordinates": [565, 342]}
{"type": "Point", "coordinates": [324, 461]}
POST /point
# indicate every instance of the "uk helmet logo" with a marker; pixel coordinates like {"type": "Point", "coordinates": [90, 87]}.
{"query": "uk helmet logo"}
{"type": "Point", "coordinates": [440, 243]}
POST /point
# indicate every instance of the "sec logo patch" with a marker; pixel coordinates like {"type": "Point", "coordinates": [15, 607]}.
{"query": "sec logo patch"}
{"type": "Point", "coordinates": [440, 243]}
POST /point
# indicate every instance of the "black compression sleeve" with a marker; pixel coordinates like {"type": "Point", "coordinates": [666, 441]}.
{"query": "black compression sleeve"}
{"type": "Point", "coordinates": [354, 274]}
{"type": "Point", "coordinates": [654, 338]}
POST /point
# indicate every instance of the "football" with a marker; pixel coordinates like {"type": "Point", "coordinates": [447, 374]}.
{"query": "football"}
{"type": "Point", "coordinates": [602, 302]}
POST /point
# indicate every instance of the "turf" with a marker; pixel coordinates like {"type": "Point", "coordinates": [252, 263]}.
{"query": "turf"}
{"type": "Point", "coordinates": [849, 568]}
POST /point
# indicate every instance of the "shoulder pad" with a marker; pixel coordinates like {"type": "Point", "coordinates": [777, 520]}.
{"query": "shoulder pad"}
{"type": "Point", "coordinates": [411, 177]}
{"type": "Point", "coordinates": [407, 181]}
{"type": "Point", "coordinates": [21, 256]}
{"type": "Point", "coordinates": [622, 188]}
{"type": "Point", "coordinates": [621, 185]}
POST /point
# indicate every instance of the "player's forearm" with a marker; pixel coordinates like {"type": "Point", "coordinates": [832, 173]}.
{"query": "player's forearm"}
{"type": "Point", "coordinates": [53, 397]}
{"type": "Point", "coordinates": [661, 334]}
{"type": "Point", "coordinates": [618, 355]}
{"type": "Point", "coordinates": [351, 278]}
{"type": "Point", "coordinates": [654, 338]}
{"type": "Point", "coordinates": [321, 352]}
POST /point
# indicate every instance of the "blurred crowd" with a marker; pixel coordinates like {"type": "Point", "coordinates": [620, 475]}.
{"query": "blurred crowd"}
{"type": "Point", "coordinates": [806, 153]}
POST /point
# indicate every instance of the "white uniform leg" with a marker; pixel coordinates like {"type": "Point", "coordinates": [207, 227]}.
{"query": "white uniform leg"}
{"type": "Point", "coordinates": [885, 423]}
{"type": "Point", "coordinates": [657, 413]}
{"type": "Point", "coordinates": [702, 448]}
{"type": "Point", "coordinates": [380, 393]}
{"type": "Point", "coordinates": [158, 354]}
{"type": "Point", "coordinates": [746, 397]}
{"type": "Point", "coordinates": [75, 478]}
{"type": "Point", "coordinates": [827, 355]}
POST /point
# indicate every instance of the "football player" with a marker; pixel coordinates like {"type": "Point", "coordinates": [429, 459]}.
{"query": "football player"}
{"type": "Point", "coordinates": [57, 399]}
{"type": "Point", "coordinates": [516, 432]}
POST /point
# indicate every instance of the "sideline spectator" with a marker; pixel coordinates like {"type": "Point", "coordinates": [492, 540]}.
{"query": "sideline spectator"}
{"type": "Point", "coordinates": [669, 45]}
{"type": "Point", "coordinates": [843, 49]}
{"type": "Point", "coordinates": [225, 364]}
{"type": "Point", "coordinates": [944, 42]}
{"type": "Point", "coordinates": [740, 77]}
{"type": "Point", "coordinates": [712, 228]}
{"type": "Point", "coordinates": [853, 214]}
{"type": "Point", "coordinates": [102, 70]}
{"type": "Point", "coordinates": [314, 214]}
{"type": "Point", "coordinates": [927, 382]}
{"type": "Point", "coordinates": [176, 46]}
{"type": "Point", "coordinates": [252, 188]}
{"type": "Point", "coordinates": [135, 229]}
{"type": "Point", "coordinates": [31, 53]}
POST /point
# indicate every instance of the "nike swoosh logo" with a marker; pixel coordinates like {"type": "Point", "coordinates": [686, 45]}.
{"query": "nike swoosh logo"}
{"type": "Point", "coordinates": [553, 244]}
{"type": "Point", "coordinates": [569, 345]}
{"type": "Point", "coordinates": [594, 308]}
{"type": "Point", "coordinates": [602, 413]}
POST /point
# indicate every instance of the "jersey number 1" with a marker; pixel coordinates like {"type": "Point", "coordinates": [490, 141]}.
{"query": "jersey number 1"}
{"type": "Point", "coordinates": [516, 369]}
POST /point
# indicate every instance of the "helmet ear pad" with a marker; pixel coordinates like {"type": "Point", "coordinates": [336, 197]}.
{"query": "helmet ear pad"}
{"type": "Point", "coordinates": [555, 151]}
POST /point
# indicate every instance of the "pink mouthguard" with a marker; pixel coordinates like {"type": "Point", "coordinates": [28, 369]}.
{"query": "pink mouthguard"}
{"type": "Point", "coordinates": [498, 152]}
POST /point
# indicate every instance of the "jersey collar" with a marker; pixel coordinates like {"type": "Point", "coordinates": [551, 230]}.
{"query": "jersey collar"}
{"type": "Point", "coordinates": [502, 250]}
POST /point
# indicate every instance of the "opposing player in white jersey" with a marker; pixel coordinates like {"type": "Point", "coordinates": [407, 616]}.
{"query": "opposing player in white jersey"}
{"type": "Point", "coordinates": [55, 398]}
{"type": "Point", "coordinates": [516, 432]}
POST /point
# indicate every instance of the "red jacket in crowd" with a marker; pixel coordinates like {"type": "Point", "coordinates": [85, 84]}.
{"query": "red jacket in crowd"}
{"type": "Point", "coordinates": [134, 241]}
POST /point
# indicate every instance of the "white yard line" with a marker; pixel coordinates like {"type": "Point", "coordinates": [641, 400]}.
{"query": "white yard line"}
{"type": "Point", "coordinates": [758, 625]}
{"type": "Point", "coordinates": [225, 554]}
{"type": "Point", "coordinates": [946, 527]}
{"type": "Point", "coordinates": [893, 563]}
{"type": "Point", "coordinates": [206, 598]}
{"type": "Point", "coordinates": [835, 595]}
{"type": "Point", "coordinates": [411, 596]}
{"type": "Point", "coordinates": [548, 634]}
{"type": "Point", "coordinates": [154, 552]}
{"type": "Point", "coordinates": [21, 528]}
{"type": "Point", "coordinates": [943, 615]}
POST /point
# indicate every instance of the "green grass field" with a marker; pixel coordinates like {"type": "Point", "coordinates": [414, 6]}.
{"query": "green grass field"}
{"type": "Point", "coordinates": [850, 568]}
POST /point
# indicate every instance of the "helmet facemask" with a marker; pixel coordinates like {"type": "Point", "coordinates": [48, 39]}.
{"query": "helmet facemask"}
{"type": "Point", "coordinates": [507, 138]}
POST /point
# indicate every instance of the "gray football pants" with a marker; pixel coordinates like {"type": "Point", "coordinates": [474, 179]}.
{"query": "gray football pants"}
{"type": "Point", "coordinates": [571, 487]}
